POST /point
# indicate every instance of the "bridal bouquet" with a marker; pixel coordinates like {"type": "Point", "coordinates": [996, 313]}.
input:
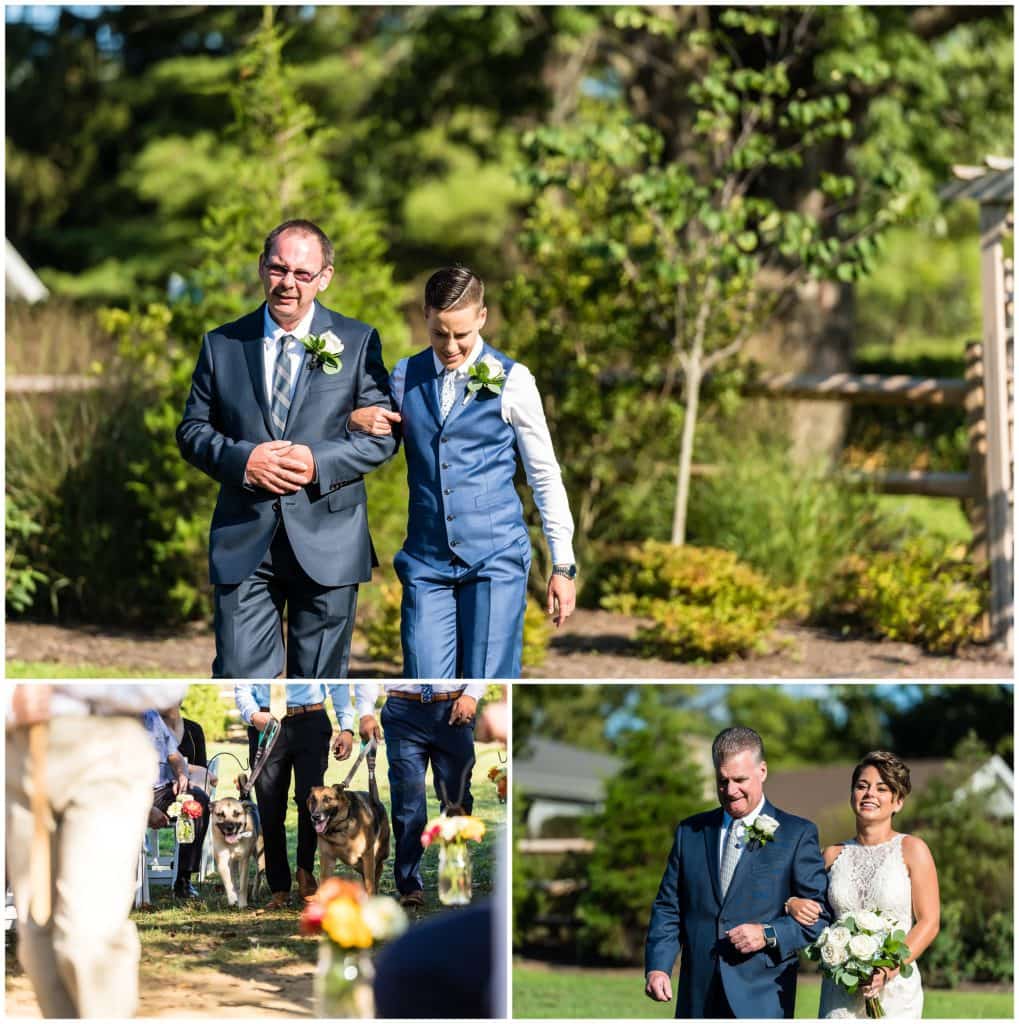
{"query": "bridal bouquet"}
{"type": "Point", "coordinates": [855, 946]}
{"type": "Point", "coordinates": [350, 923]}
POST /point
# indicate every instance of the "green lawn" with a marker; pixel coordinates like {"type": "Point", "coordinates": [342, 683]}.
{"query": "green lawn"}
{"type": "Point", "coordinates": [602, 995]}
{"type": "Point", "coordinates": [51, 670]}
{"type": "Point", "coordinates": [934, 515]}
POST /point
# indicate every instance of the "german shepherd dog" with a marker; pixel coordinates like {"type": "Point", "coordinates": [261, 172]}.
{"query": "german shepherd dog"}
{"type": "Point", "coordinates": [353, 827]}
{"type": "Point", "coordinates": [236, 839]}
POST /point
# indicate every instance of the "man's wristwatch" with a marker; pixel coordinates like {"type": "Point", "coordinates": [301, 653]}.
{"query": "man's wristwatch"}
{"type": "Point", "coordinates": [566, 571]}
{"type": "Point", "coordinates": [770, 938]}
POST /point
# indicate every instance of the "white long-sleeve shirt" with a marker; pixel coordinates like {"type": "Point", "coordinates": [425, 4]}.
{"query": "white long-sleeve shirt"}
{"type": "Point", "coordinates": [521, 408]}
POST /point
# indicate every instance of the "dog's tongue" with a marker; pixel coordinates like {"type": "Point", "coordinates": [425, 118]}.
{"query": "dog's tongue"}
{"type": "Point", "coordinates": [232, 838]}
{"type": "Point", "coordinates": [320, 826]}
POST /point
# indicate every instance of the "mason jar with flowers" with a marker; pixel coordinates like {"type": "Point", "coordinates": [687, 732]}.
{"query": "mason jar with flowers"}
{"type": "Point", "coordinates": [185, 810]}
{"type": "Point", "coordinates": [350, 924]}
{"type": "Point", "coordinates": [453, 834]}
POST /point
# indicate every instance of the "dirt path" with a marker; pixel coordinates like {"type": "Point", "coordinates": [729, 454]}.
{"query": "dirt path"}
{"type": "Point", "coordinates": [592, 645]}
{"type": "Point", "coordinates": [201, 993]}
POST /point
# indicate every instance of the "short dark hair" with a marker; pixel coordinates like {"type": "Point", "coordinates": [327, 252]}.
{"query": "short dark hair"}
{"type": "Point", "coordinates": [453, 288]}
{"type": "Point", "coordinates": [305, 227]}
{"type": "Point", "coordinates": [734, 741]}
{"type": "Point", "coordinates": [893, 770]}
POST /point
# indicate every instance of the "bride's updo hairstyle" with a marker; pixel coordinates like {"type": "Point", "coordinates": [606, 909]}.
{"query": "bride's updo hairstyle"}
{"type": "Point", "coordinates": [893, 771]}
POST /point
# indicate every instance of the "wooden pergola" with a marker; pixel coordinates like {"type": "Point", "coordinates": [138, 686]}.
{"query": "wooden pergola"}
{"type": "Point", "coordinates": [991, 185]}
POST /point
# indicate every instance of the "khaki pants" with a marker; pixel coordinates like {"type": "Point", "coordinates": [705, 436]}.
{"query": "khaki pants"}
{"type": "Point", "coordinates": [84, 961]}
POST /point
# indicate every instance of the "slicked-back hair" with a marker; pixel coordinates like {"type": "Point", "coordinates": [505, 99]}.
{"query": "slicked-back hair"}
{"type": "Point", "coordinates": [734, 741]}
{"type": "Point", "coordinates": [454, 288]}
{"type": "Point", "coordinates": [304, 227]}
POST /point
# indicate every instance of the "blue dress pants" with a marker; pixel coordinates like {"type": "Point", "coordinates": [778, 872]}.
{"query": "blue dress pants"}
{"type": "Point", "coordinates": [464, 622]}
{"type": "Point", "coordinates": [417, 734]}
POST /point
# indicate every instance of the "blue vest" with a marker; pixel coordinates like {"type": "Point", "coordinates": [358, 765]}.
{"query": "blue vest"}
{"type": "Point", "coordinates": [460, 473]}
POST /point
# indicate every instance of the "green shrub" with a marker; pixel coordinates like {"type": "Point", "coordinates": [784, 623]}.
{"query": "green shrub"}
{"type": "Point", "coordinates": [205, 705]}
{"type": "Point", "coordinates": [791, 522]}
{"type": "Point", "coordinates": [22, 578]}
{"type": "Point", "coordinates": [927, 592]}
{"type": "Point", "coordinates": [705, 603]}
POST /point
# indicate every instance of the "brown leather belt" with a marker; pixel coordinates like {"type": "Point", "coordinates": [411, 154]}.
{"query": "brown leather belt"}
{"type": "Point", "coordinates": [437, 698]}
{"type": "Point", "coordinates": [299, 709]}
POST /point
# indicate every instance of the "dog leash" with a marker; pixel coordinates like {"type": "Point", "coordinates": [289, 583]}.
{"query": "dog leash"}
{"type": "Point", "coordinates": [266, 741]}
{"type": "Point", "coordinates": [369, 748]}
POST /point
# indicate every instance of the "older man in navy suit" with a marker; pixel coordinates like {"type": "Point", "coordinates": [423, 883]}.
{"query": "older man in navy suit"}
{"type": "Point", "coordinates": [722, 899]}
{"type": "Point", "coordinates": [267, 418]}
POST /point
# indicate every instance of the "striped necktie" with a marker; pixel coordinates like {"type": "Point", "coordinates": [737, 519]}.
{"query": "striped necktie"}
{"type": "Point", "coordinates": [281, 387]}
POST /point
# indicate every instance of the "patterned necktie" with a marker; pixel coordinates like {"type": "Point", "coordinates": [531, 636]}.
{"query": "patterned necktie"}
{"type": "Point", "coordinates": [730, 857]}
{"type": "Point", "coordinates": [448, 393]}
{"type": "Point", "coordinates": [281, 387]}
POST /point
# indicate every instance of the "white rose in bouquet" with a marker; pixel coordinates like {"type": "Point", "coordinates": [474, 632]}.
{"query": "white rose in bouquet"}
{"type": "Point", "coordinates": [832, 955]}
{"type": "Point", "coordinates": [871, 922]}
{"type": "Point", "coordinates": [840, 935]}
{"type": "Point", "coordinates": [863, 946]}
{"type": "Point", "coordinates": [384, 916]}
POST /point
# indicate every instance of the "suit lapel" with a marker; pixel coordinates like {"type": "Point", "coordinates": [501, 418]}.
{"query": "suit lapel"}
{"type": "Point", "coordinates": [251, 333]}
{"type": "Point", "coordinates": [320, 323]}
{"type": "Point", "coordinates": [743, 866]}
{"type": "Point", "coordinates": [712, 837]}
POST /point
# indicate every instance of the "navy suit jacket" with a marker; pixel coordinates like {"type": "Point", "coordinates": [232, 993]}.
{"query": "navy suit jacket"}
{"type": "Point", "coordinates": [227, 415]}
{"type": "Point", "coordinates": [690, 916]}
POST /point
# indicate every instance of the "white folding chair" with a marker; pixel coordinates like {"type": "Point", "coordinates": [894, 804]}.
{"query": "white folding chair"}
{"type": "Point", "coordinates": [154, 867]}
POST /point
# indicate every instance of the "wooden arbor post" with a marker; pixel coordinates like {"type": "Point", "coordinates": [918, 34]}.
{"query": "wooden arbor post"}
{"type": "Point", "coordinates": [992, 186]}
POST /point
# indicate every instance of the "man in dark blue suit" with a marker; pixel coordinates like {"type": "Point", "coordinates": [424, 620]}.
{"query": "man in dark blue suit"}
{"type": "Point", "coordinates": [267, 419]}
{"type": "Point", "coordinates": [721, 903]}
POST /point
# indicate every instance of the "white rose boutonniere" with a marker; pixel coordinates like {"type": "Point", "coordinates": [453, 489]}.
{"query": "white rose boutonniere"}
{"type": "Point", "coordinates": [762, 830]}
{"type": "Point", "coordinates": [487, 373]}
{"type": "Point", "coordinates": [325, 351]}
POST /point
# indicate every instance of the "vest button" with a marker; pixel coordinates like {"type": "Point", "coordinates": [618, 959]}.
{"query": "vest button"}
{"type": "Point", "coordinates": [444, 440]}
{"type": "Point", "coordinates": [445, 465]}
{"type": "Point", "coordinates": [450, 519]}
{"type": "Point", "coordinates": [453, 543]}
{"type": "Point", "coordinates": [448, 490]}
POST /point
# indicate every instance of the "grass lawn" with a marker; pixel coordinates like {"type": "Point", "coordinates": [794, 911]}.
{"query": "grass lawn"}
{"type": "Point", "coordinates": [572, 993]}
{"type": "Point", "coordinates": [204, 944]}
{"type": "Point", "coordinates": [934, 515]}
{"type": "Point", "coordinates": [51, 670]}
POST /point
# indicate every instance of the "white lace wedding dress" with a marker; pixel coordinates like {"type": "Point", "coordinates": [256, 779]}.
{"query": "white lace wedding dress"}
{"type": "Point", "coordinates": [873, 878]}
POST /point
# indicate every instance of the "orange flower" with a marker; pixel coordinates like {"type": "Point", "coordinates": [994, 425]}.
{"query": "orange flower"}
{"type": "Point", "coordinates": [345, 925]}
{"type": "Point", "coordinates": [338, 888]}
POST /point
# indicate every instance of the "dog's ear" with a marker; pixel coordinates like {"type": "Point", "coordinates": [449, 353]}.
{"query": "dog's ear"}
{"type": "Point", "coordinates": [213, 806]}
{"type": "Point", "coordinates": [339, 788]}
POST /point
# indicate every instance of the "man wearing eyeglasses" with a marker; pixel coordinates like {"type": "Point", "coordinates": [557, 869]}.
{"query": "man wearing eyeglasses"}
{"type": "Point", "coordinates": [267, 419]}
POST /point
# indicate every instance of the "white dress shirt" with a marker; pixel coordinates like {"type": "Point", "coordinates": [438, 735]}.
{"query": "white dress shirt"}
{"type": "Point", "coordinates": [521, 408]}
{"type": "Point", "coordinates": [249, 697]}
{"type": "Point", "coordinates": [475, 689]}
{"type": "Point", "coordinates": [742, 823]}
{"type": "Point", "coordinates": [272, 333]}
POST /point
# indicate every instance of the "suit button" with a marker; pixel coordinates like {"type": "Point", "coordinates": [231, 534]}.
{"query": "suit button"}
{"type": "Point", "coordinates": [276, 505]}
{"type": "Point", "coordinates": [445, 465]}
{"type": "Point", "coordinates": [453, 543]}
{"type": "Point", "coordinates": [450, 519]}
{"type": "Point", "coordinates": [444, 440]}
{"type": "Point", "coordinates": [448, 490]}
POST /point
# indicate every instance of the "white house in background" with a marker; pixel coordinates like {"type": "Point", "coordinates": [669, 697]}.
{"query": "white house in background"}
{"type": "Point", "coordinates": [21, 279]}
{"type": "Point", "coordinates": [995, 781]}
{"type": "Point", "coordinates": [561, 780]}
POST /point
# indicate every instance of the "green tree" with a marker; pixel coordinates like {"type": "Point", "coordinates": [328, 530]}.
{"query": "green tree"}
{"type": "Point", "coordinates": [279, 172]}
{"type": "Point", "coordinates": [657, 786]}
{"type": "Point", "coordinates": [973, 853]}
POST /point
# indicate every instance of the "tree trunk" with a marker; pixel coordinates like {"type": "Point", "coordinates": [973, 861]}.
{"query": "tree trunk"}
{"type": "Point", "coordinates": [693, 394]}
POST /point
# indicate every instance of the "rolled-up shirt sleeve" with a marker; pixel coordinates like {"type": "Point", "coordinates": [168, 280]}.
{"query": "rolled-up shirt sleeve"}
{"type": "Point", "coordinates": [522, 410]}
{"type": "Point", "coordinates": [340, 693]}
{"type": "Point", "coordinates": [244, 697]}
{"type": "Point", "coordinates": [366, 696]}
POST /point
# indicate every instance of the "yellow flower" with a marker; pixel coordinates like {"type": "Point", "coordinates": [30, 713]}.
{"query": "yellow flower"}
{"type": "Point", "coordinates": [472, 828]}
{"type": "Point", "coordinates": [345, 925]}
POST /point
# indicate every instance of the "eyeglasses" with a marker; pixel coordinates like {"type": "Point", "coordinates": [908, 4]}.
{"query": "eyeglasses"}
{"type": "Point", "coordinates": [277, 270]}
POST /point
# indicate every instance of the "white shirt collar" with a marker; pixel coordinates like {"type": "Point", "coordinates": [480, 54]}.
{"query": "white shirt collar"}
{"type": "Point", "coordinates": [747, 819]}
{"type": "Point", "coordinates": [272, 331]}
{"type": "Point", "coordinates": [464, 367]}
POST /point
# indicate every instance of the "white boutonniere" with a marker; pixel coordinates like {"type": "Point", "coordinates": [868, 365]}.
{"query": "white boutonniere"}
{"type": "Point", "coordinates": [325, 351]}
{"type": "Point", "coordinates": [761, 830]}
{"type": "Point", "coordinates": [487, 373]}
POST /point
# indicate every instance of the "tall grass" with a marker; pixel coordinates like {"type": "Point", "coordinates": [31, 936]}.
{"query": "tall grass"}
{"type": "Point", "coordinates": [54, 337]}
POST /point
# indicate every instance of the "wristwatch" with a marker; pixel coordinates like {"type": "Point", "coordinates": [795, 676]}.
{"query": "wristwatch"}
{"type": "Point", "coordinates": [566, 571]}
{"type": "Point", "coordinates": [770, 938]}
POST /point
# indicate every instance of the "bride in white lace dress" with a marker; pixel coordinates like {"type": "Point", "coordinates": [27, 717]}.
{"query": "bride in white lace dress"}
{"type": "Point", "coordinates": [880, 869]}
